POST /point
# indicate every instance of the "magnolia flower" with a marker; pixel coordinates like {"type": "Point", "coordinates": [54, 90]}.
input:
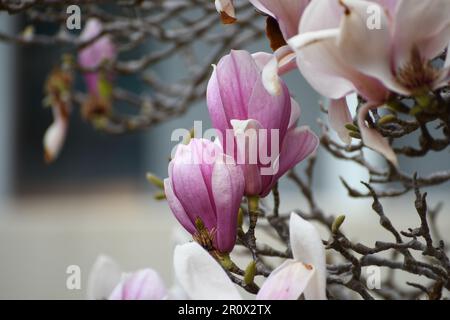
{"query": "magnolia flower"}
{"type": "Point", "coordinates": [103, 278]}
{"type": "Point", "coordinates": [287, 14]}
{"type": "Point", "coordinates": [204, 191]}
{"type": "Point", "coordinates": [369, 47]}
{"type": "Point", "coordinates": [239, 104]}
{"type": "Point", "coordinates": [107, 281]}
{"type": "Point", "coordinates": [202, 277]}
{"type": "Point", "coordinates": [145, 284]}
{"type": "Point", "coordinates": [96, 53]}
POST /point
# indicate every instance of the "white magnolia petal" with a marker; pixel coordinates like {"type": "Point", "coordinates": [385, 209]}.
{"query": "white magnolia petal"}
{"type": "Point", "coordinates": [103, 278]}
{"type": "Point", "coordinates": [374, 57]}
{"type": "Point", "coordinates": [320, 62]}
{"type": "Point", "coordinates": [307, 247]}
{"type": "Point", "coordinates": [200, 276]}
{"type": "Point", "coordinates": [287, 282]}
{"type": "Point", "coordinates": [372, 138]}
{"type": "Point", "coordinates": [339, 116]}
{"type": "Point", "coordinates": [296, 112]}
{"type": "Point", "coordinates": [270, 77]}
{"type": "Point", "coordinates": [430, 38]}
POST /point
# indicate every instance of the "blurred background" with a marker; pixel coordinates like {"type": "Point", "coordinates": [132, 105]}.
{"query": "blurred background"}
{"type": "Point", "coordinates": [95, 199]}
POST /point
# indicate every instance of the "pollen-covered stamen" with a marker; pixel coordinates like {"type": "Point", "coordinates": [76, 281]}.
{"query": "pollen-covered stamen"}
{"type": "Point", "coordinates": [418, 73]}
{"type": "Point", "coordinates": [203, 236]}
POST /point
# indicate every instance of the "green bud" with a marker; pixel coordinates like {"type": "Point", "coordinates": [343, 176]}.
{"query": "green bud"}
{"type": "Point", "coordinates": [355, 135]}
{"type": "Point", "coordinates": [240, 218]}
{"type": "Point", "coordinates": [154, 180]}
{"type": "Point", "coordinates": [253, 203]}
{"type": "Point", "coordinates": [397, 106]}
{"type": "Point", "coordinates": [250, 273]}
{"type": "Point", "coordinates": [337, 223]}
{"type": "Point", "coordinates": [424, 100]}
{"type": "Point", "coordinates": [351, 127]}
{"type": "Point", "coordinates": [389, 118]}
{"type": "Point", "coordinates": [416, 110]}
{"type": "Point", "coordinates": [226, 262]}
{"type": "Point", "coordinates": [160, 196]}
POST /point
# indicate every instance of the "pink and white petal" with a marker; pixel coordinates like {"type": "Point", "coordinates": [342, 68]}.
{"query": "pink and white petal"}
{"type": "Point", "coordinates": [237, 74]}
{"type": "Point", "coordinates": [227, 189]}
{"type": "Point", "coordinates": [200, 276]}
{"type": "Point", "coordinates": [272, 112]}
{"type": "Point", "coordinates": [374, 57]}
{"type": "Point", "coordinates": [296, 112]}
{"type": "Point", "coordinates": [433, 35]}
{"type": "Point", "coordinates": [287, 12]}
{"type": "Point", "coordinates": [246, 134]}
{"type": "Point", "coordinates": [320, 63]}
{"type": "Point", "coordinates": [307, 247]}
{"type": "Point", "coordinates": [321, 15]}
{"type": "Point", "coordinates": [372, 138]}
{"type": "Point", "coordinates": [103, 278]}
{"type": "Point", "coordinates": [177, 208]}
{"type": "Point", "coordinates": [190, 186]}
{"type": "Point", "coordinates": [287, 282]}
{"type": "Point", "coordinates": [274, 65]}
{"type": "Point", "coordinates": [298, 144]}
{"type": "Point", "coordinates": [339, 116]}
{"type": "Point", "coordinates": [144, 284]}
{"type": "Point", "coordinates": [215, 106]}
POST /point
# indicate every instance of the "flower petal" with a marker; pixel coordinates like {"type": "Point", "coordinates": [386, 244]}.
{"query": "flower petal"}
{"type": "Point", "coordinates": [103, 278]}
{"type": "Point", "coordinates": [287, 282]}
{"type": "Point", "coordinates": [227, 188]}
{"type": "Point", "coordinates": [201, 277]}
{"type": "Point", "coordinates": [433, 35]}
{"type": "Point", "coordinates": [296, 112]}
{"type": "Point", "coordinates": [372, 138]}
{"type": "Point", "coordinates": [374, 57]}
{"type": "Point", "coordinates": [286, 12]}
{"type": "Point", "coordinates": [247, 145]}
{"type": "Point", "coordinates": [339, 116]}
{"type": "Point", "coordinates": [144, 284]}
{"type": "Point", "coordinates": [177, 208]}
{"type": "Point", "coordinates": [191, 181]}
{"type": "Point", "coordinates": [307, 247]}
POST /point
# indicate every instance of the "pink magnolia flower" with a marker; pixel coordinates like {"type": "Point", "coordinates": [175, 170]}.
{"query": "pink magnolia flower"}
{"type": "Point", "coordinates": [108, 281]}
{"type": "Point", "coordinates": [92, 56]}
{"type": "Point", "coordinates": [340, 50]}
{"type": "Point", "coordinates": [239, 104]}
{"type": "Point", "coordinates": [145, 284]}
{"type": "Point", "coordinates": [202, 277]}
{"type": "Point", "coordinates": [205, 184]}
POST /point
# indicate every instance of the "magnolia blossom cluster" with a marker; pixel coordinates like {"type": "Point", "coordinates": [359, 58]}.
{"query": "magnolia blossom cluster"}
{"type": "Point", "coordinates": [340, 47]}
{"type": "Point", "coordinates": [198, 276]}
